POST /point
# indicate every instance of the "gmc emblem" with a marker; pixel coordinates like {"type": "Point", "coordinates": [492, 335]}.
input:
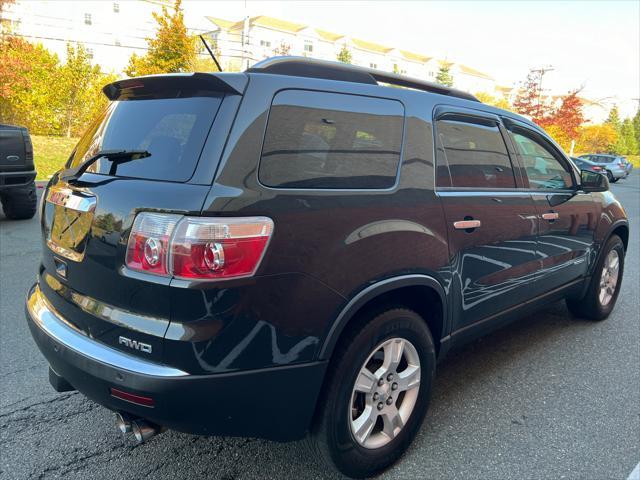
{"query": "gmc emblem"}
{"type": "Point", "coordinates": [136, 345]}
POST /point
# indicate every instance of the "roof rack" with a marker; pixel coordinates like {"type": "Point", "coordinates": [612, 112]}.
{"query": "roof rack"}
{"type": "Point", "coordinates": [313, 68]}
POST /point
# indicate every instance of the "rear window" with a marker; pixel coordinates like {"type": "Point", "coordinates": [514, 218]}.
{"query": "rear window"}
{"type": "Point", "coordinates": [602, 159]}
{"type": "Point", "coordinates": [328, 140]}
{"type": "Point", "coordinates": [172, 130]}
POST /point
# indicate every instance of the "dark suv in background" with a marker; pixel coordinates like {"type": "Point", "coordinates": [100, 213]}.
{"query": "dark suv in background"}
{"type": "Point", "coordinates": [286, 252]}
{"type": "Point", "coordinates": [17, 173]}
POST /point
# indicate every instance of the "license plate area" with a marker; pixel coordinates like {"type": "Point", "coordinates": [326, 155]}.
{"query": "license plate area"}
{"type": "Point", "coordinates": [68, 216]}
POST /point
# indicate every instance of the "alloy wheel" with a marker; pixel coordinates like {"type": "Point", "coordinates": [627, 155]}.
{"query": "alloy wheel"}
{"type": "Point", "coordinates": [609, 277]}
{"type": "Point", "coordinates": [385, 393]}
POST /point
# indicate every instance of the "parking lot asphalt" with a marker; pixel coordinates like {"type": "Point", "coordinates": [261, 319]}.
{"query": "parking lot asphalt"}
{"type": "Point", "coordinates": [548, 397]}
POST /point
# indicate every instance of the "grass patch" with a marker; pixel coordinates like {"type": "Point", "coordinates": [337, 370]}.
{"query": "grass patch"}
{"type": "Point", "coordinates": [50, 154]}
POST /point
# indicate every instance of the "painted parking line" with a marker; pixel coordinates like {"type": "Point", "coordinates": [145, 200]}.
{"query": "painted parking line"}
{"type": "Point", "coordinates": [635, 475]}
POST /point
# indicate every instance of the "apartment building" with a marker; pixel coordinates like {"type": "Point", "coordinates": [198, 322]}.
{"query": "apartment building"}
{"type": "Point", "coordinates": [244, 42]}
{"type": "Point", "coordinates": [110, 30]}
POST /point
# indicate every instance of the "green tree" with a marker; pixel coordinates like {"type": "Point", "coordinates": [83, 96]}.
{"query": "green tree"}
{"type": "Point", "coordinates": [444, 76]}
{"type": "Point", "coordinates": [171, 50]}
{"type": "Point", "coordinates": [614, 118]}
{"type": "Point", "coordinates": [79, 90]}
{"type": "Point", "coordinates": [636, 128]}
{"type": "Point", "coordinates": [628, 136]}
{"type": "Point", "coordinates": [344, 55]}
{"type": "Point", "coordinates": [619, 146]}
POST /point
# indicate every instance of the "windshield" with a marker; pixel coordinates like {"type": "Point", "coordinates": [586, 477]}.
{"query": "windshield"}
{"type": "Point", "coordinates": [172, 130]}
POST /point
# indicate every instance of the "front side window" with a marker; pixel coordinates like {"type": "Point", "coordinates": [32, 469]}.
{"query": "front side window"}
{"type": "Point", "coordinates": [543, 169]}
{"type": "Point", "coordinates": [326, 140]}
{"type": "Point", "coordinates": [476, 155]}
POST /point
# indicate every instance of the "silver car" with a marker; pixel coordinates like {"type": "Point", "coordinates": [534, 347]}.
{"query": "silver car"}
{"type": "Point", "coordinates": [615, 166]}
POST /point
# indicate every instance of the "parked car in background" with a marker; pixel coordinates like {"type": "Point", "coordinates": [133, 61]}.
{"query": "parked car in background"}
{"type": "Point", "coordinates": [288, 251]}
{"type": "Point", "coordinates": [628, 164]}
{"type": "Point", "coordinates": [584, 164]}
{"type": "Point", "coordinates": [615, 166]}
{"type": "Point", "coordinates": [17, 173]}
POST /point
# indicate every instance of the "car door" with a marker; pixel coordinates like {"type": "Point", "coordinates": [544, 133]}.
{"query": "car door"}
{"type": "Point", "coordinates": [491, 220]}
{"type": "Point", "coordinates": [568, 216]}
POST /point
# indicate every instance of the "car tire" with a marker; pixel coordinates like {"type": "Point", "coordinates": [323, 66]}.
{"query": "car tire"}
{"type": "Point", "coordinates": [342, 407]}
{"type": "Point", "coordinates": [20, 203]}
{"type": "Point", "coordinates": [604, 286]}
{"type": "Point", "coordinates": [610, 176]}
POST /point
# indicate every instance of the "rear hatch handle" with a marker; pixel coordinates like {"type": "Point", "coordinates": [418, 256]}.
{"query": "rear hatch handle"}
{"type": "Point", "coordinates": [115, 156]}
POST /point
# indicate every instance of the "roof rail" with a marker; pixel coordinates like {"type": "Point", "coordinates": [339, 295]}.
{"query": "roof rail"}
{"type": "Point", "coordinates": [313, 68]}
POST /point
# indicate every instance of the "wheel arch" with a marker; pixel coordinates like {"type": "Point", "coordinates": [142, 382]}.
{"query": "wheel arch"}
{"type": "Point", "coordinates": [421, 293]}
{"type": "Point", "coordinates": [622, 230]}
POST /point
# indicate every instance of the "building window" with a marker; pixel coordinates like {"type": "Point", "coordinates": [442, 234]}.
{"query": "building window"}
{"type": "Point", "coordinates": [265, 43]}
{"type": "Point", "coordinates": [117, 43]}
{"type": "Point", "coordinates": [116, 7]}
{"type": "Point", "coordinates": [373, 65]}
{"type": "Point", "coordinates": [308, 46]}
{"type": "Point", "coordinates": [432, 74]}
{"type": "Point", "coordinates": [87, 19]}
{"type": "Point", "coordinates": [90, 53]}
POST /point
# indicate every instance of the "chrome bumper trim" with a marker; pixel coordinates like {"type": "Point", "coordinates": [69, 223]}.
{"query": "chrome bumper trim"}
{"type": "Point", "coordinates": [49, 321]}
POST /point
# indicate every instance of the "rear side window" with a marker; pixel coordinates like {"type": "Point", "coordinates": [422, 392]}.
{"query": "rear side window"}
{"type": "Point", "coordinates": [172, 130]}
{"type": "Point", "coordinates": [329, 140]}
{"type": "Point", "coordinates": [543, 169]}
{"type": "Point", "coordinates": [476, 155]}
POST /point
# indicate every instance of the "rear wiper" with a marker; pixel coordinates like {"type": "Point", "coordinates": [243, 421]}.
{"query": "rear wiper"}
{"type": "Point", "coordinates": [115, 156]}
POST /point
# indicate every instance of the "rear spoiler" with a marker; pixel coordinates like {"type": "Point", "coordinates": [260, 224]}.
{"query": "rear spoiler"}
{"type": "Point", "coordinates": [233, 83]}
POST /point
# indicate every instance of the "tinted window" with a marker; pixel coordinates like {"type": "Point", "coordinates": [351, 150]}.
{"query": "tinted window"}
{"type": "Point", "coordinates": [543, 169]}
{"type": "Point", "coordinates": [476, 155]}
{"type": "Point", "coordinates": [327, 140]}
{"type": "Point", "coordinates": [172, 130]}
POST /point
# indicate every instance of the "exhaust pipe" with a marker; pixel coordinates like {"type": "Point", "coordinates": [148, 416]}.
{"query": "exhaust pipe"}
{"type": "Point", "coordinates": [144, 430]}
{"type": "Point", "coordinates": [123, 423]}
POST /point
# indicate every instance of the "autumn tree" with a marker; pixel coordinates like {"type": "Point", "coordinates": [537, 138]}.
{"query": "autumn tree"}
{"type": "Point", "coordinates": [444, 76]}
{"type": "Point", "coordinates": [28, 97]}
{"type": "Point", "coordinates": [489, 99]}
{"type": "Point", "coordinates": [344, 55]}
{"type": "Point", "coordinates": [596, 138]}
{"type": "Point", "coordinates": [79, 90]}
{"type": "Point", "coordinates": [529, 101]}
{"type": "Point", "coordinates": [171, 50]}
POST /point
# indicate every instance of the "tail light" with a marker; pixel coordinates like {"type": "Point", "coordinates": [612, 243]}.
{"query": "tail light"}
{"type": "Point", "coordinates": [197, 247]}
{"type": "Point", "coordinates": [596, 168]}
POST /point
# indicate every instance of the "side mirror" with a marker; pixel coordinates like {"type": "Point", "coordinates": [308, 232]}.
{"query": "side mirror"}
{"type": "Point", "coordinates": [593, 181]}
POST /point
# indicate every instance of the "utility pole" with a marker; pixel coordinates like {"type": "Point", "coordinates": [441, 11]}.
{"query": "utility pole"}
{"type": "Point", "coordinates": [541, 72]}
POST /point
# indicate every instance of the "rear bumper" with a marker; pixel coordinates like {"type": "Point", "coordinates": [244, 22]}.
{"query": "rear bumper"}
{"type": "Point", "coordinates": [273, 403]}
{"type": "Point", "coordinates": [16, 179]}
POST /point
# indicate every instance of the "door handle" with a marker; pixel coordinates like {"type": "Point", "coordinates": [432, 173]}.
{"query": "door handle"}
{"type": "Point", "coordinates": [467, 224]}
{"type": "Point", "coordinates": [550, 216]}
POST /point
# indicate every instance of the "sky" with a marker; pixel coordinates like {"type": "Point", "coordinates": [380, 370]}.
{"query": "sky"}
{"type": "Point", "coordinates": [589, 44]}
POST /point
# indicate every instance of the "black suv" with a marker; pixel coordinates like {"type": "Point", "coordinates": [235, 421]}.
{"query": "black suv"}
{"type": "Point", "coordinates": [17, 173]}
{"type": "Point", "coordinates": [286, 252]}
